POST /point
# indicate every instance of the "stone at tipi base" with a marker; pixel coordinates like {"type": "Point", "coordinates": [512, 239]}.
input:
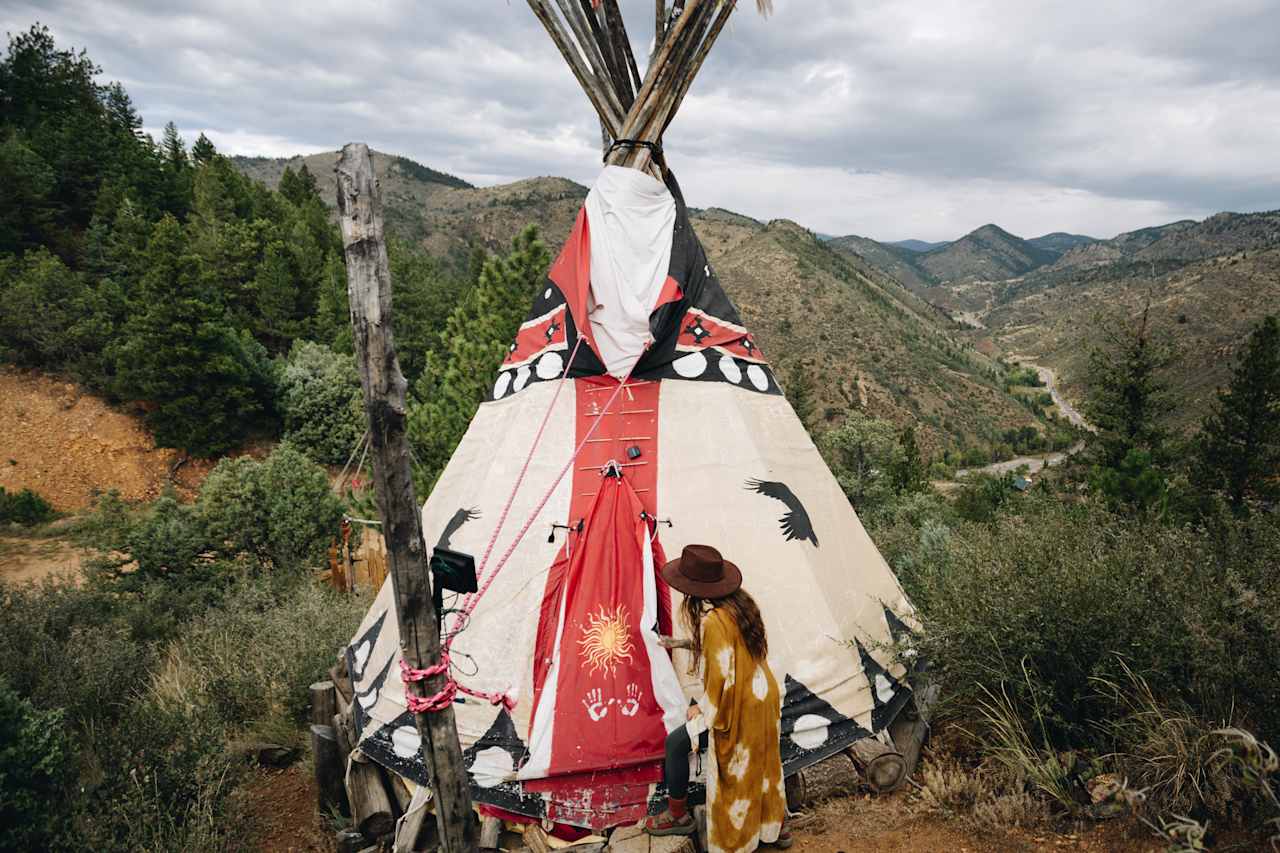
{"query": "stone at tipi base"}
{"type": "Point", "coordinates": [633, 839]}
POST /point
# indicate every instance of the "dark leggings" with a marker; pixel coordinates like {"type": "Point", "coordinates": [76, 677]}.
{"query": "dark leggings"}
{"type": "Point", "coordinates": [675, 772]}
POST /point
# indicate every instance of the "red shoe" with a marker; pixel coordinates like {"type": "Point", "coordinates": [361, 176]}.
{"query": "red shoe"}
{"type": "Point", "coordinates": [784, 840]}
{"type": "Point", "coordinates": [668, 824]}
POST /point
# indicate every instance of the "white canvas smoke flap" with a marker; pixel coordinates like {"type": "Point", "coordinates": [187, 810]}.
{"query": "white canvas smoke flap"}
{"type": "Point", "coordinates": [696, 445]}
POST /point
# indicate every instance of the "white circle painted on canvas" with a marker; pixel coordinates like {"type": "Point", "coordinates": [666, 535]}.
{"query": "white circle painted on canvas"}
{"type": "Point", "coordinates": [500, 387]}
{"type": "Point", "coordinates": [405, 741]}
{"type": "Point", "coordinates": [730, 369]}
{"type": "Point", "coordinates": [758, 377]}
{"type": "Point", "coordinates": [690, 366]}
{"type": "Point", "coordinates": [492, 767]}
{"type": "Point", "coordinates": [811, 731]}
{"type": "Point", "coordinates": [549, 366]}
{"type": "Point", "coordinates": [522, 377]}
{"type": "Point", "coordinates": [546, 294]}
{"type": "Point", "coordinates": [884, 687]}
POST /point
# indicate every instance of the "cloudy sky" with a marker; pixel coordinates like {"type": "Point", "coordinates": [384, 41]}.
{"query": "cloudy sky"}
{"type": "Point", "coordinates": [885, 118]}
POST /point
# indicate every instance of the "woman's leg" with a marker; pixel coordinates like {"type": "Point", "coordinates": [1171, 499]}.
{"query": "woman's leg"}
{"type": "Point", "coordinates": [675, 773]}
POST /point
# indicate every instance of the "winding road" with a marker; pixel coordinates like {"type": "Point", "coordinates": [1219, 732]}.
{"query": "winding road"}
{"type": "Point", "coordinates": [1047, 460]}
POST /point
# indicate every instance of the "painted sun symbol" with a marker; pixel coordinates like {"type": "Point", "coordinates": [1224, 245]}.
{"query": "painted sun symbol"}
{"type": "Point", "coordinates": [606, 639]}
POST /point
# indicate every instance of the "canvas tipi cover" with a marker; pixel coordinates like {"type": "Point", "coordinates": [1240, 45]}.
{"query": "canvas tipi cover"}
{"type": "Point", "coordinates": [685, 438]}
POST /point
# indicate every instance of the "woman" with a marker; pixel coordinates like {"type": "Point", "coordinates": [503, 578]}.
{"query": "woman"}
{"type": "Point", "coordinates": [740, 707]}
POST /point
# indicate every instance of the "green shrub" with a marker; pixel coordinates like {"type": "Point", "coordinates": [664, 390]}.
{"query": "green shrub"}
{"type": "Point", "coordinates": [25, 507]}
{"type": "Point", "coordinates": [33, 774]}
{"type": "Point", "coordinates": [982, 496]}
{"type": "Point", "coordinates": [282, 511]}
{"type": "Point", "coordinates": [319, 398]}
{"type": "Point", "coordinates": [249, 663]}
{"type": "Point", "coordinates": [1044, 603]}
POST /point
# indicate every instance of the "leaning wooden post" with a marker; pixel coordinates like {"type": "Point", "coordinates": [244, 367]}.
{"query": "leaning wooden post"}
{"type": "Point", "coordinates": [369, 288]}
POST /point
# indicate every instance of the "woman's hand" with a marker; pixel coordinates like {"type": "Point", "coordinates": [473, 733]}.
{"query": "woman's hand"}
{"type": "Point", "coordinates": [672, 643]}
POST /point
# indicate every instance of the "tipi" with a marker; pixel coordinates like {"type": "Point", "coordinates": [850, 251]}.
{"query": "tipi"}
{"type": "Point", "coordinates": [634, 414]}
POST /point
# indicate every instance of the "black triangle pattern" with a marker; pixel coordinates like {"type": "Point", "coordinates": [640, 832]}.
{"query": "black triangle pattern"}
{"type": "Point", "coordinates": [801, 750]}
{"type": "Point", "coordinates": [509, 796]}
{"type": "Point", "coordinates": [877, 677]}
{"type": "Point", "coordinates": [898, 629]}
{"type": "Point", "coordinates": [396, 747]}
{"type": "Point", "coordinates": [367, 697]}
{"type": "Point", "coordinates": [370, 637]}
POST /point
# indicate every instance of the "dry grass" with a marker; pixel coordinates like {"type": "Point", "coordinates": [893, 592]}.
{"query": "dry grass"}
{"type": "Point", "coordinates": [987, 800]}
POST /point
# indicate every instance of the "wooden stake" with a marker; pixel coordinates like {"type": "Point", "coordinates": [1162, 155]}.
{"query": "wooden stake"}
{"type": "Point", "coordinates": [591, 49]}
{"type": "Point", "coordinates": [585, 78]}
{"type": "Point", "coordinates": [687, 80]}
{"type": "Point", "coordinates": [369, 289]}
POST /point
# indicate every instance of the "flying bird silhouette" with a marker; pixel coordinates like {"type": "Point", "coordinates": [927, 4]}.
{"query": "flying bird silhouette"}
{"type": "Point", "coordinates": [460, 518]}
{"type": "Point", "coordinates": [795, 524]}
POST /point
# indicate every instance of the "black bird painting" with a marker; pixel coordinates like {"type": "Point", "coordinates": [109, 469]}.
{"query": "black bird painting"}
{"type": "Point", "coordinates": [795, 524]}
{"type": "Point", "coordinates": [460, 518]}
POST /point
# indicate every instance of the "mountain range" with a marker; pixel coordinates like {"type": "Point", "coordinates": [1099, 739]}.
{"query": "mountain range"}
{"type": "Point", "coordinates": [839, 331]}
{"type": "Point", "coordinates": [909, 331]}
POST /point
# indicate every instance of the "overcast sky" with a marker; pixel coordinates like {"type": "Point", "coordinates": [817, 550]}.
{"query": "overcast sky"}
{"type": "Point", "coordinates": [885, 118]}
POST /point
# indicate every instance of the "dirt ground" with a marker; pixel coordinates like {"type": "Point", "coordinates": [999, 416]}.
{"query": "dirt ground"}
{"type": "Point", "coordinates": [282, 809]}
{"type": "Point", "coordinates": [69, 446]}
{"type": "Point", "coordinates": [25, 559]}
{"type": "Point", "coordinates": [894, 825]}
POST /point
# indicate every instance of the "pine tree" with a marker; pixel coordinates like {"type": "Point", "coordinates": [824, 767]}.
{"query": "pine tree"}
{"type": "Point", "coordinates": [799, 392]}
{"type": "Point", "coordinates": [910, 471]}
{"type": "Point", "coordinates": [203, 151]}
{"type": "Point", "coordinates": [206, 382]}
{"type": "Point", "coordinates": [1239, 443]}
{"type": "Point", "coordinates": [475, 340]}
{"type": "Point", "coordinates": [1128, 393]}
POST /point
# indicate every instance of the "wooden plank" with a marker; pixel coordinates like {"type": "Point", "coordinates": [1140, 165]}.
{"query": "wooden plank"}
{"type": "Point", "coordinates": [490, 833]}
{"type": "Point", "coordinates": [384, 387]}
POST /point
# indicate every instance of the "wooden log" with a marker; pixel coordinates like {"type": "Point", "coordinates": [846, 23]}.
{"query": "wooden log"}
{"type": "Point", "coordinates": [372, 809]}
{"type": "Point", "coordinates": [911, 728]}
{"type": "Point", "coordinates": [342, 683]}
{"type": "Point", "coordinates": [882, 766]}
{"type": "Point", "coordinates": [490, 833]}
{"type": "Point", "coordinates": [344, 727]}
{"type": "Point", "coordinates": [330, 797]}
{"type": "Point", "coordinates": [535, 838]}
{"type": "Point", "coordinates": [831, 777]}
{"type": "Point", "coordinates": [384, 388]}
{"type": "Point", "coordinates": [324, 702]}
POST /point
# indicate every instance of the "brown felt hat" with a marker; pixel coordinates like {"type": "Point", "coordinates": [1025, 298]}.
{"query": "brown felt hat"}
{"type": "Point", "coordinates": [702, 573]}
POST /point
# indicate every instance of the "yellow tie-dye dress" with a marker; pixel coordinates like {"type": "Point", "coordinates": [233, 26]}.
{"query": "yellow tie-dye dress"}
{"type": "Point", "coordinates": [741, 707]}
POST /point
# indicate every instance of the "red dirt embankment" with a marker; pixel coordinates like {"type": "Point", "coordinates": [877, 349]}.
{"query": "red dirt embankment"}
{"type": "Point", "coordinates": [69, 445]}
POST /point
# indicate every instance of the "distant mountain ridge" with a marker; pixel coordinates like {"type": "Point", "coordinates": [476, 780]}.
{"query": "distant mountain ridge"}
{"type": "Point", "coordinates": [829, 322]}
{"type": "Point", "coordinates": [917, 245]}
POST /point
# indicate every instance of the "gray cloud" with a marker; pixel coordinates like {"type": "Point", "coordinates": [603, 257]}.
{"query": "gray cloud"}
{"type": "Point", "coordinates": [884, 118]}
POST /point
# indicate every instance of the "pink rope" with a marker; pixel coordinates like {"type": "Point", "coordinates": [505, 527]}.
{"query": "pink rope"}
{"type": "Point", "coordinates": [467, 606]}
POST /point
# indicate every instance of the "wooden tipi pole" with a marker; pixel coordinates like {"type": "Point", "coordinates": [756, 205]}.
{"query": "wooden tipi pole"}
{"type": "Point", "coordinates": [369, 288]}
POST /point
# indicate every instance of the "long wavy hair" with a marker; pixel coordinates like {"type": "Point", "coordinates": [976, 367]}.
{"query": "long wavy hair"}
{"type": "Point", "coordinates": [745, 613]}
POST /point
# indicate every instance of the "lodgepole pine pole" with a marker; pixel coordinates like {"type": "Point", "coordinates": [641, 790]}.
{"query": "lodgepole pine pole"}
{"type": "Point", "coordinates": [369, 287]}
